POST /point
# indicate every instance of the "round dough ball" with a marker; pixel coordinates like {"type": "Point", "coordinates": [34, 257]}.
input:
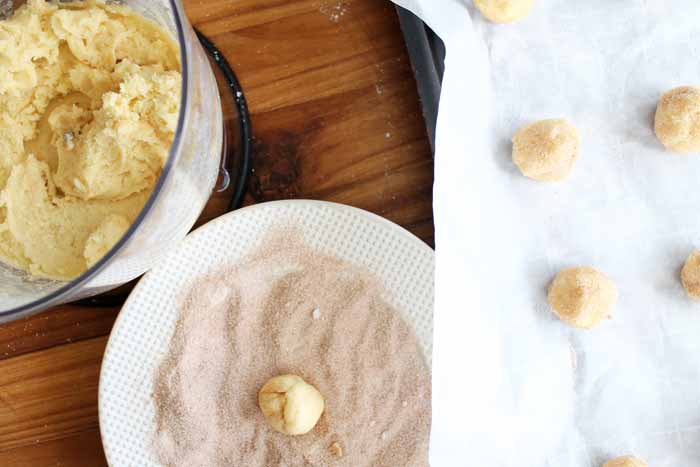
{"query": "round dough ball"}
{"type": "Point", "coordinates": [626, 461]}
{"type": "Point", "coordinates": [291, 405]}
{"type": "Point", "coordinates": [505, 11]}
{"type": "Point", "coordinates": [546, 150]}
{"type": "Point", "coordinates": [690, 275]}
{"type": "Point", "coordinates": [677, 122]}
{"type": "Point", "coordinates": [582, 296]}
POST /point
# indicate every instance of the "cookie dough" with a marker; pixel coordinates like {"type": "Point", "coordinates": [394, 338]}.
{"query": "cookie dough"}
{"type": "Point", "coordinates": [291, 405]}
{"type": "Point", "coordinates": [677, 122]}
{"type": "Point", "coordinates": [89, 102]}
{"type": "Point", "coordinates": [582, 296]}
{"type": "Point", "coordinates": [104, 237]}
{"type": "Point", "coordinates": [690, 275]}
{"type": "Point", "coordinates": [546, 150]}
{"type": "Point", "coordinates": [505, 11]}
{"type": "Point", "coordinates": [626, 461]}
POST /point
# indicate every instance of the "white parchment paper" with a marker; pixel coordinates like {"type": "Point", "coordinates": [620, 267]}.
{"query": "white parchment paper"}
{"type": "Point", "coordinates": [513, 386]}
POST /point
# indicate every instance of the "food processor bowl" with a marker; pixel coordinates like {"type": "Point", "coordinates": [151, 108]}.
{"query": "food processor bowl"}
{"type": "Point", "coordinates": [179, 196]}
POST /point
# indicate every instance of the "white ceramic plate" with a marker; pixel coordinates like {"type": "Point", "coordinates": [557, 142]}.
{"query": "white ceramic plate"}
{"type": "Point", "coordinates": [142, 333]}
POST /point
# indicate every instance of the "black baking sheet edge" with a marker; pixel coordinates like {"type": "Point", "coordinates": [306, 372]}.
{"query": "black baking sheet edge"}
{"type": "Point", "coordinates": [427, 54]}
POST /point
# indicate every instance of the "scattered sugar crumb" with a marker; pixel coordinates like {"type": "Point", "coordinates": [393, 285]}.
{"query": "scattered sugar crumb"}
{"type": "Point", "coordinates": [335, 10]}
{"type": "Point", "coordinates": [336, 449]}
{"type": "Point", "coordinates": [387, 135]}
{"type": "Point", "coordinates": [316, 314]}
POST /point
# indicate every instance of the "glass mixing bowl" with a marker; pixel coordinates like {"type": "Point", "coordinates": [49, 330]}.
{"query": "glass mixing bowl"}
{"type": "Point", "coordinates": [178, 198]}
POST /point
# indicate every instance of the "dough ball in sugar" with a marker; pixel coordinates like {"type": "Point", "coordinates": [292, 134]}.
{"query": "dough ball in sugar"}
{"type": "Point", "coordinates": [547, 150]}
{"type": "Point", "coordinates": [582, 296]}
{"type": "Point", "coordinates": [677, 122]}
{"type": "Point", "coordinates": [505, 11]}
{"type": "Point", "coordinates": [690, 275]}
{"type": "Point", "coordinates": [291, 405]}
{"type": "Point", "coordinates": [626, 461]}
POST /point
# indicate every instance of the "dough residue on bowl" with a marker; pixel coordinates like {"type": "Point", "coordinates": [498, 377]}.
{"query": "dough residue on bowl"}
{"type": "Point", "coordinates": [89, 102]}
{"type": "Point", "coordinates": [288, 309]}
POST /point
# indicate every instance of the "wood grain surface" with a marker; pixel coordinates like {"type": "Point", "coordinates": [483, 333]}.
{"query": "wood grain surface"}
{"type": "Point", "coordinates": [336, 117]}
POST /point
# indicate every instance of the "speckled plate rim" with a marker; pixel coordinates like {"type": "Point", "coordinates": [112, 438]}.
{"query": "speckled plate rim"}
{"type": "Point", "coordinates": [197, 235]}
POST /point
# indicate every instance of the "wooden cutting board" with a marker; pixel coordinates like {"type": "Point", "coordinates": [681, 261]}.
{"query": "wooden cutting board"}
{"type": "Point", "coordinates": [336, 117]}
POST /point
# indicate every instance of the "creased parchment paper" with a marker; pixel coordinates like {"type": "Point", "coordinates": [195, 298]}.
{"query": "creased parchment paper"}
{"type": "Point", "coordinates": [513, 386]}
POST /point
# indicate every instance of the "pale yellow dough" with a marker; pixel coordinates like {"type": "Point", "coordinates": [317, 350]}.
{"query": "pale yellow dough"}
{"type": "Point", "coordinates": [89, 102]}
{"type": "Point", "coordinates": [677, 120]}
{"type": "Point", "coordinates": [547, 150]}
{"type": "Point", "coordinates": [291, 405]}
{"type": "Point", "coordinates": [101, 240]}
{"type": "Point", "coordinates": [505, 11]}
{"type": "Point", "coordinates": [690, 275]}
{"type": "Point", "coordinates": [582, 296]}
{"type": "Point", "coordinates": [626, 461]}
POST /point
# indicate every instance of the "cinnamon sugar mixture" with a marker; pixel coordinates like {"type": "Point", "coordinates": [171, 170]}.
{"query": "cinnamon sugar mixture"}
{"type": "Point", "coordinates": [288, 309]}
